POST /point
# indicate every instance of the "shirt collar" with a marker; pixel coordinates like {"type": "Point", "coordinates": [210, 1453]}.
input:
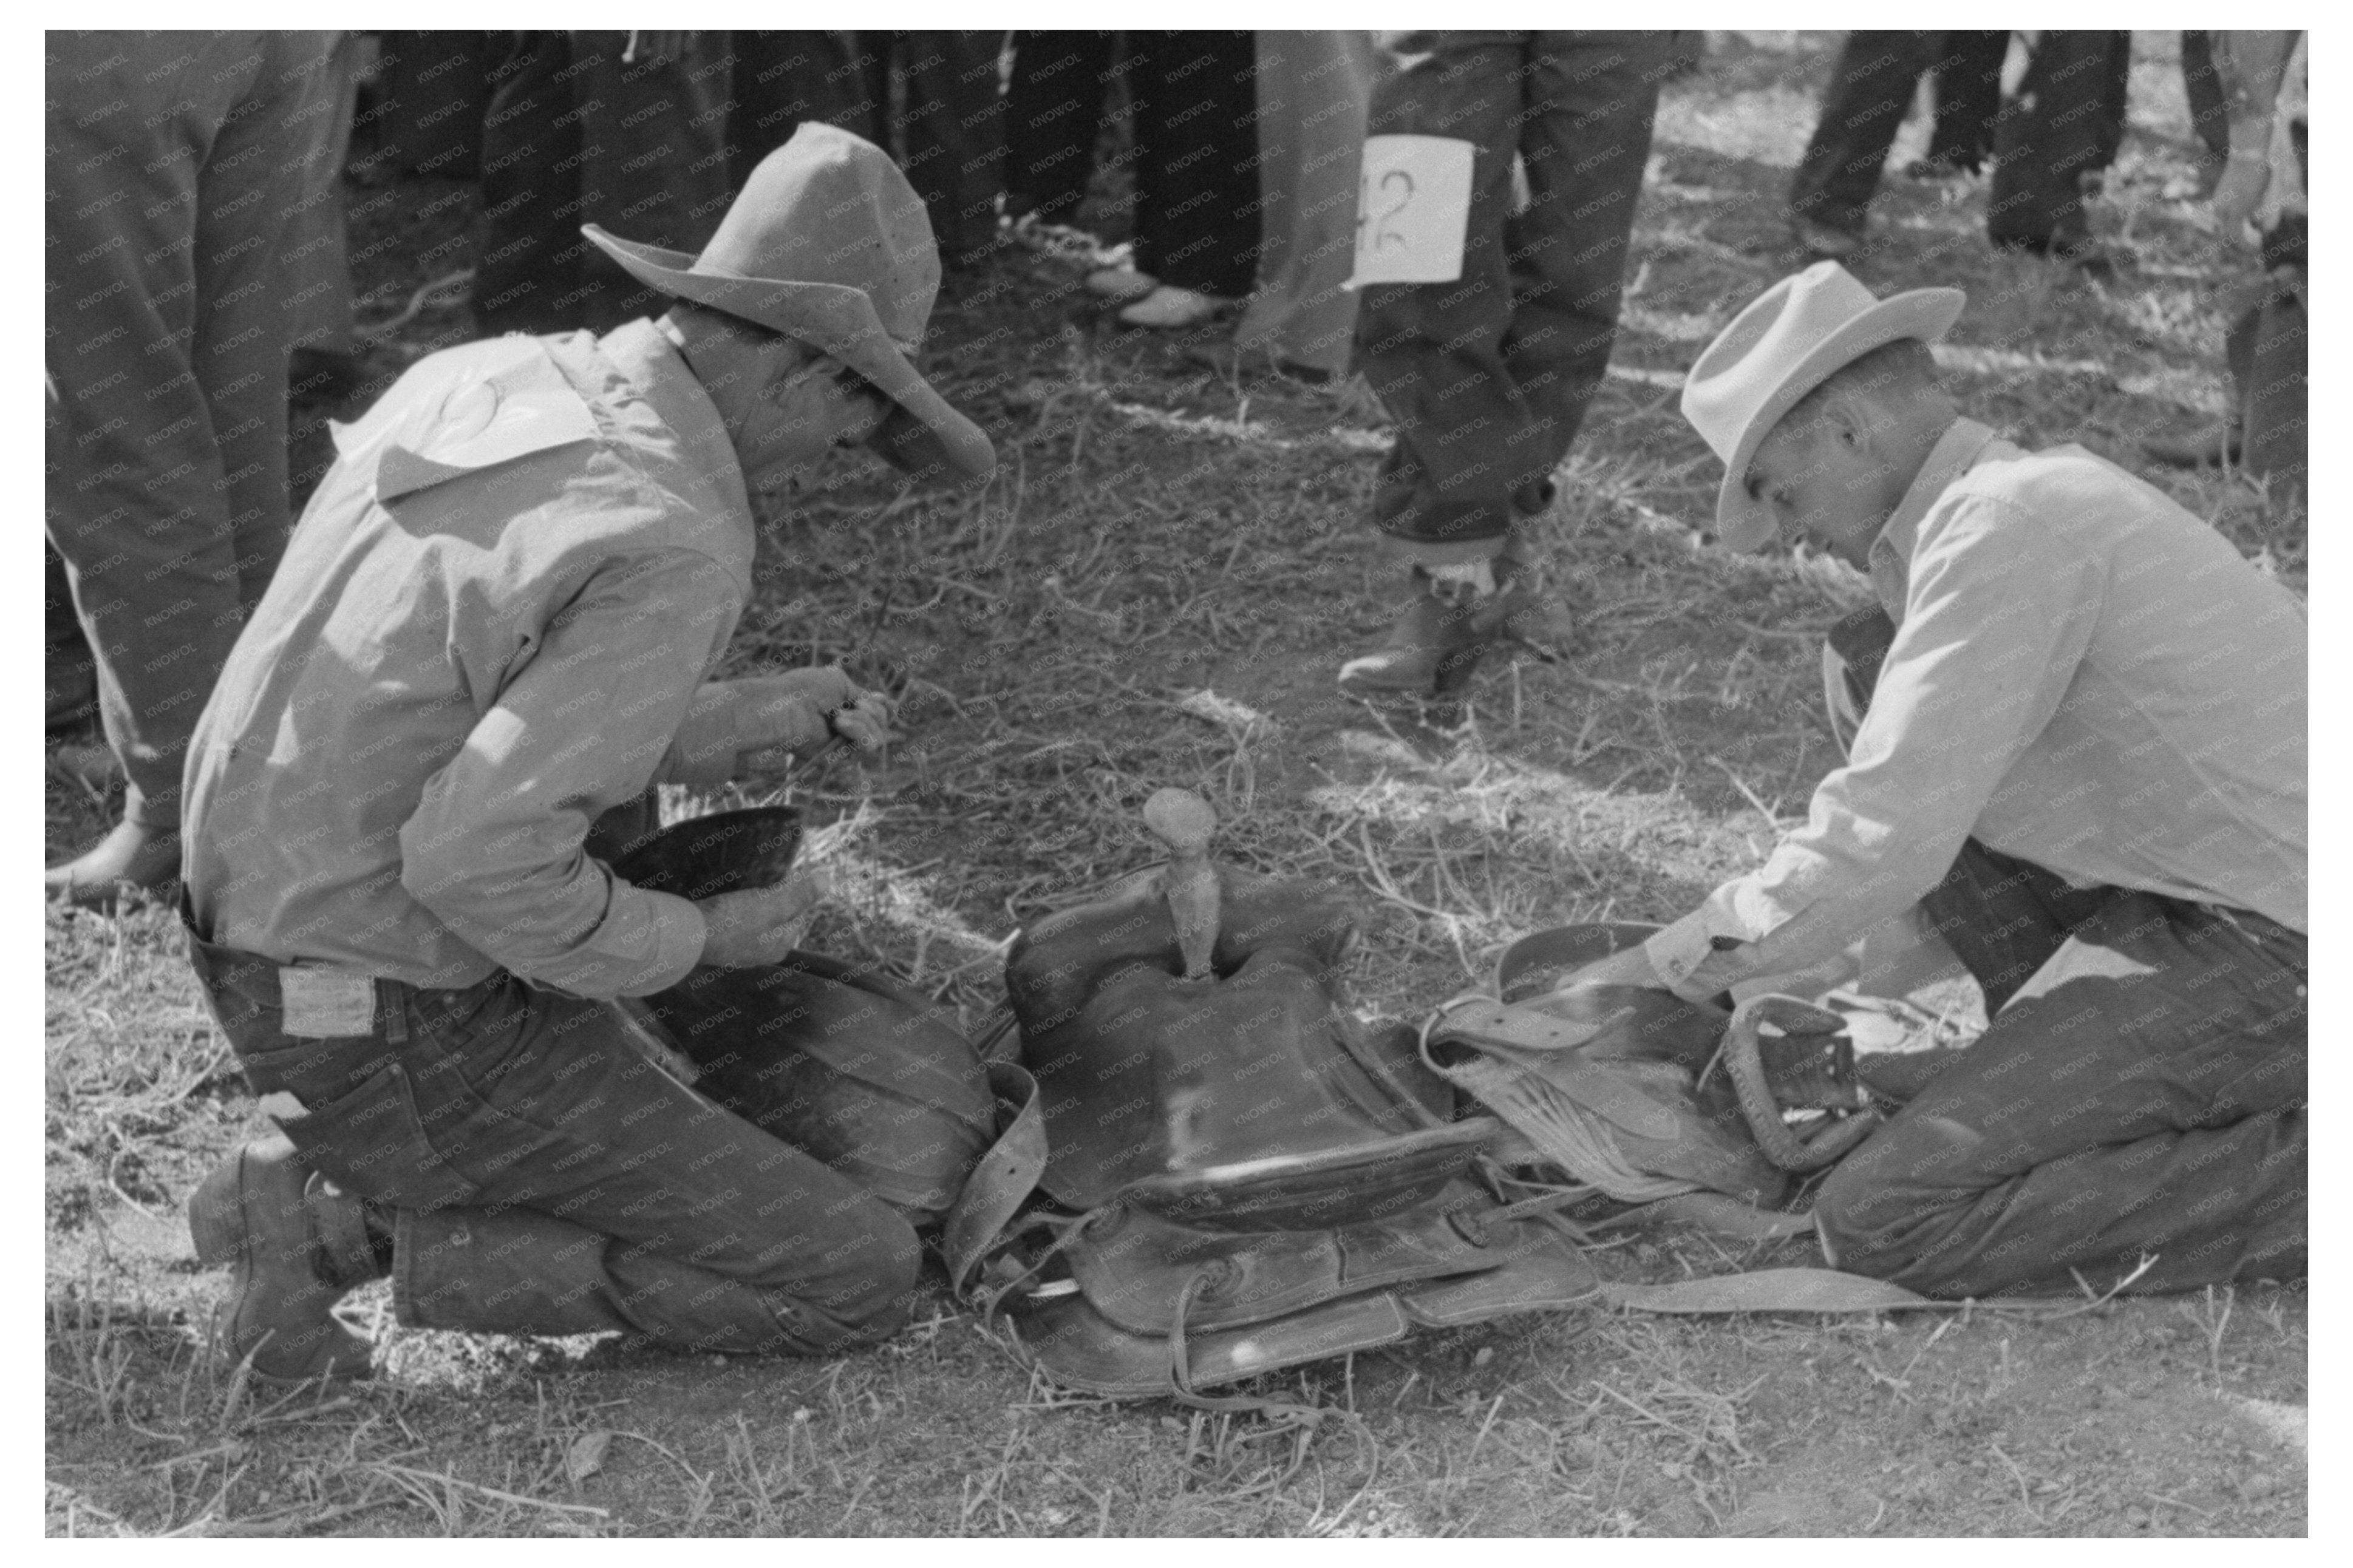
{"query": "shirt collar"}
{"type": "Point", "coordinates": [652, 364]}
{"type": "Point", "coordinates": [1956, 452]}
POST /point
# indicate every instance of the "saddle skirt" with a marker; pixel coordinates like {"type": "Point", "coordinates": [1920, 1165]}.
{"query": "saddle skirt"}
{"type": "Point", "coordinates": [847, 1066]}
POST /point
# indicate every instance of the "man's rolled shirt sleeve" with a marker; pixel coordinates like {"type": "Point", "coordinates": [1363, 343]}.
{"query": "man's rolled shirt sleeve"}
{"type": "Point", "coordinates": [2000, 611]}
{"type": "Point", "coordinates": [494, 847]}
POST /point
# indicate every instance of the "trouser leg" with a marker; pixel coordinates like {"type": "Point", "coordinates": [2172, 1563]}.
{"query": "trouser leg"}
{"type": "Point", "coordinates": [261, 162]}
{"type": "Point", "coordinates": [317, 260]}
{"type": "Point", "coordinates": [654, 160]}
{"type": "Point", "coordinates": [1585, 145]}
{"type": "Point", "coordinates": [1053, 118]}
{"type": "Point", "coordinates": [2266, 350]}
{"type": "Point", "coordinates": [1969, 98]}
{"type": "Point", "coordinates": [2116, 89]}
{"type": "Point", "coordinates": [2209, 112]}
{"type": "Point", "coordinates": [69, 679]}
{"type": "Point", "coordinates": [1196, 174]}
{"type": "Point", "coordinates": [783, 78]}
{"type": "Point", "coordinates": [1869, 93]}
{"type": "Point", "coordinates": [1434, 352]}
{"type": "Point", "coordinates": [2061, 127]}
{"type": "Point", "coordinates": [2143, 1095]}
{"type": "Point", "coordinates": [531, 191]}
{"type": "Point", "coordinates": [955, 135]}
{"type": "Point", "coordinates": [167, 208]}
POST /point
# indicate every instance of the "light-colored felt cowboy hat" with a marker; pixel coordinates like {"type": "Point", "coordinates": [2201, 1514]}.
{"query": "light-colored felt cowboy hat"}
{"type": "Point", "coordinates": [828, 244]}
{"type": "Point", "coordinates": [1790, 340]}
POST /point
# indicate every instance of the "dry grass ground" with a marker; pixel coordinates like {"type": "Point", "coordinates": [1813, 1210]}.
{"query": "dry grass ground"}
{"type": "Point", "coordinates": [1160, 530]}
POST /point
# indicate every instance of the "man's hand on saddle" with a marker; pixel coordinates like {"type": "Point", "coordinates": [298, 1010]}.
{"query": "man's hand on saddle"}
{"type": "Point", "coordinates": [760, 925]}
{"type": "Point", "coordinates": [805, 711]}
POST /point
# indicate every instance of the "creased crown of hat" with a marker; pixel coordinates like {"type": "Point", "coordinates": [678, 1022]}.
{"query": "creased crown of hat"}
{"type": "Point", "coordinates": [828, 244]}
{"type": "Point", "coordinates": [1790, 338]}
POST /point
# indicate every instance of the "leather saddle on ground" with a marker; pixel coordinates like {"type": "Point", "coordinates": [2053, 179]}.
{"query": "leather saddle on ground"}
{"type": "Point", "coordinates": [1257, 1180]}
{"type": "Point", "coordinates": [847, 1066]}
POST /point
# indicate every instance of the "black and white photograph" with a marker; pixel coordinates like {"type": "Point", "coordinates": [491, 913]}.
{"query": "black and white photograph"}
{"type": "Point", "coordinates": [1066, 782]}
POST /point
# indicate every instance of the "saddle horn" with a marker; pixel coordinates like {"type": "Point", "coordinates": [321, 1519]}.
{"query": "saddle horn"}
{"type": "Point", "coordinates": [1184, 822]}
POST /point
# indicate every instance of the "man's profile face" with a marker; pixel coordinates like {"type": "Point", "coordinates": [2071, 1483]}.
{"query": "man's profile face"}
{"type": "Point", "coordinates": [1824, 485]}
{"type": "Point", "coordinates": [787, 404]}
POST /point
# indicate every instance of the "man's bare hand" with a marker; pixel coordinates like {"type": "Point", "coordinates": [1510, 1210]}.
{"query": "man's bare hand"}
{"type": "Point", "coordinates": [760, 926]}
{"type": "Point", "coordinates": [802, 710]}
{"type": "Point", "coordinates": [865, 722]}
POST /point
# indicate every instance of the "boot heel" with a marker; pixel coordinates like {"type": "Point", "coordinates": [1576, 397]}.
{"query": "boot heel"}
{"type": "Point", "coordinates": [216, 1217]}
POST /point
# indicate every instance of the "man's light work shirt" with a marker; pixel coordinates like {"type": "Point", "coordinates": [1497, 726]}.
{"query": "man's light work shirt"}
{"type": "Point", "coordinates": [2084, 676]}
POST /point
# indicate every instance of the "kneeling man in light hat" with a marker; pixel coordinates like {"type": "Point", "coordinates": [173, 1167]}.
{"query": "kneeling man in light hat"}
{"type": "Point", "coordinates": [492, 636]}
{"type": "Point", "coordinates": [2075, 735]}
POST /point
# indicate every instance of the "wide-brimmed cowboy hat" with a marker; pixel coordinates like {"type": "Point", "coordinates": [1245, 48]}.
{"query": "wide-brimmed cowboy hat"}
{"type": "Point", "coordinates": [1791, 339]}
{"type": "Point", "coordinates": [828, 244]}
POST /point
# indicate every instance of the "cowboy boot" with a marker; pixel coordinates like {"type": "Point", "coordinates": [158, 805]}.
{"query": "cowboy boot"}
{"type": "Point", "coordinates": [1435, 646]}
{"type": "Point", "coordinates": [147, 858]}
{"type": "Point", "coordinates": [295, 1245]}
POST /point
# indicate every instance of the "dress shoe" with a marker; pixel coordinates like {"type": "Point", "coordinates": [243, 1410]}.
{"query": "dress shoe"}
{"type": "Point", "coordinates": [1121, 283]}
{"type": "Point", "coordinates": [1168, 309]}
{"type": "Point", "coordinates": [1434, 648]}
{"type": "Point", "coordinates": [1822, 241]}
{"type": "Point", "coordinates": [2210, 450]}
{"type": "Point", "coordinates": [295, 1245]}
{"type": "Point", "coordinates": [143, 857]}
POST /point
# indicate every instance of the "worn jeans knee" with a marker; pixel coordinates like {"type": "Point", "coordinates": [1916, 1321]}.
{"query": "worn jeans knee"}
{"type": "Point", "coordinates": [889, 1261]}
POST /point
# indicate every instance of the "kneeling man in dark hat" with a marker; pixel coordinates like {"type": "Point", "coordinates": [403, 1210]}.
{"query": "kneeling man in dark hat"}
{"type": "Point", "coordinates": [493, 630]}
{"type": "Point", "coordinates": [2074, 733]}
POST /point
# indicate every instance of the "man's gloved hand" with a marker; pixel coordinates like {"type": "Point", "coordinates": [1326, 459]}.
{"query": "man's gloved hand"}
{"type": "Point", "coordinates": [800, 711]}
{"type": "Point", "coordinates": [763, 924]}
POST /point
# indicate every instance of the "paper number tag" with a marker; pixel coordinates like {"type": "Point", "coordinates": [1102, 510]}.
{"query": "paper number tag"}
{"type": "Point", "coordinates": [1413, 209]}
{"type": "Point", "coordinates": [321, 1004]}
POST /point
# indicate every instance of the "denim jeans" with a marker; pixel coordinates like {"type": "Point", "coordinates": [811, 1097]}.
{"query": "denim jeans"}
{"type": "Point", "coordinates": [543, 1177]}
{"type": "Point", "coordinates": [1488, 378]}
{"type": "Point", "coordinates": [2141, 1092]}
